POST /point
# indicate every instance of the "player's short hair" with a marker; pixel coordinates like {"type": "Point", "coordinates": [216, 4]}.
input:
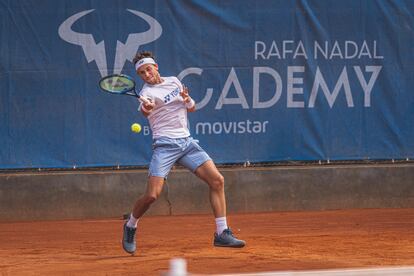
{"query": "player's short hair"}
{"type": "Point", "coordinates": [143, 54]}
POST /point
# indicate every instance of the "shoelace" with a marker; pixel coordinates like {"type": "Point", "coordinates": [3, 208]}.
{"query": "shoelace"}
{"type": "Point", "coordinates": [228, 231]}
{"type": "Point", "coordinates": [130, 234]}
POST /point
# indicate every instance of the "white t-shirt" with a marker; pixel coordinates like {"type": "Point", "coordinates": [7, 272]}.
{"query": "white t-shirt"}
{"type": "Point", "coordinates": [169, 116]}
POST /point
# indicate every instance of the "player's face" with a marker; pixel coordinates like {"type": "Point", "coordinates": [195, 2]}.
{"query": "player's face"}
{"type": "Point", "coordinates": [149, 73]}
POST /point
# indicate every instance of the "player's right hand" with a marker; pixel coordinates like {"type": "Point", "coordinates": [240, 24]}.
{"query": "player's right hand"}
{"type": "Point", "coordinates": [147, 105]}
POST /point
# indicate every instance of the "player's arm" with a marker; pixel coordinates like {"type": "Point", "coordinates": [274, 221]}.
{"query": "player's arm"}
{"type": "Point", "coordinates": [188, 101]}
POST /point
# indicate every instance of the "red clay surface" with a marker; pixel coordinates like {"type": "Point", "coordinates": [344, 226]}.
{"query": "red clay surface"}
{"type": "Point", "coordinates": [275, 241]}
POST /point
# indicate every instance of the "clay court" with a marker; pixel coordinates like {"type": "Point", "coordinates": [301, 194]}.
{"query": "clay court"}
{"type": "Point", "coordinates": [276, 241]}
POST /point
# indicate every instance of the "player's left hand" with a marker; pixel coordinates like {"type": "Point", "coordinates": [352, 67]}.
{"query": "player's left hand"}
{"type": "Point", "coordinates": [184, 94]}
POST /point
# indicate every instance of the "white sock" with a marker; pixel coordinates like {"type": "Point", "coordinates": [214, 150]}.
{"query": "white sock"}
{"type": "Point", "coordinates": [221, 225]}
{"type": "Point", "coordinates": [132, 222]}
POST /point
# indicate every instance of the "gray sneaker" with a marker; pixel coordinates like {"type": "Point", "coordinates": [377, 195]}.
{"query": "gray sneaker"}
{"type": "Point", "coordinates": [128, 240]}
{"type": "Point", "coordinates": [226, 239]}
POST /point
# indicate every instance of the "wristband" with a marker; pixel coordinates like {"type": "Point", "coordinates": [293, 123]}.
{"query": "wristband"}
{"type": "Point", "coordinates": [190, 104]}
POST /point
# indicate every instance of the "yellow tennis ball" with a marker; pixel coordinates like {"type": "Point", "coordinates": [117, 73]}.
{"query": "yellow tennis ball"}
{"type": "Point", "coordinates": [136, 128]}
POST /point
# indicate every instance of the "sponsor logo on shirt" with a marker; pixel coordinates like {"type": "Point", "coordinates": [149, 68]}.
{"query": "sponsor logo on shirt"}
{"type": "Point", "coordinates": [168, 98]}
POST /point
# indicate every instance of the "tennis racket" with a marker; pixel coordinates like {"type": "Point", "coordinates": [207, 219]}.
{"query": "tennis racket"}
{"type": "Point", "coordinates": [121, 85]}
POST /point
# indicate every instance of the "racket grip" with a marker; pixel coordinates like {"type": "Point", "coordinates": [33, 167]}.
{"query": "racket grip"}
{"type": "Point", "coordinates": [144, 100]}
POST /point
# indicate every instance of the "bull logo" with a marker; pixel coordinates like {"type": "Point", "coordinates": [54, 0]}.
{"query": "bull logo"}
{"type": "Point", "coordinates": [96, 51]}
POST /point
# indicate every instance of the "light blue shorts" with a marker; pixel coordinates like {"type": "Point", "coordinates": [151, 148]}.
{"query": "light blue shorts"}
{"type": "Point", "coordinates": [168, 151]}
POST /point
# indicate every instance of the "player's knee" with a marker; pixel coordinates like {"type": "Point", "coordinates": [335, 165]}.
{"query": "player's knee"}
{"type": "Point", "coordinates": [150, 198]}
{"type": "Point", "coordinates": [217, 183]}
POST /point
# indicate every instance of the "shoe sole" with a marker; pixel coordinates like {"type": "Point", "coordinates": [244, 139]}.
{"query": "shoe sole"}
{"type": "Point", "coordinates": [228, 245]}
{"type": "Point", "coordinates": [132, 253]}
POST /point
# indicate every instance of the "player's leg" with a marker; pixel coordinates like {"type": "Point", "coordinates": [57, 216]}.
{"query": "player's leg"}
{"type": "Point", "coordinates": [163, 158]}
{"type": "Point", "coordinates": [209, 173]}
{"type": "Point", "coordinates": [198, 161]}
{"type": "Point", "coordinates": [154, 189]}
{"type": "Point", "coordinates": [165, 154]}
{"type": "Point", "coordinates": [223, 236]}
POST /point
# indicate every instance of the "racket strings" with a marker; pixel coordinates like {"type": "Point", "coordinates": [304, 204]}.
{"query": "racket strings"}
{"type": "Point", "coordinates": [117, 84]}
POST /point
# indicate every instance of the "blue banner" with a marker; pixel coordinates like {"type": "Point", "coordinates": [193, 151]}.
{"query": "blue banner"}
{"type": "Point", "coordinates": [273, 80]}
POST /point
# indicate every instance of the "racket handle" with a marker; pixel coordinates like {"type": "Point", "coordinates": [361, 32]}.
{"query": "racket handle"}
{"type": "Point", "coordinates": [144, 100]}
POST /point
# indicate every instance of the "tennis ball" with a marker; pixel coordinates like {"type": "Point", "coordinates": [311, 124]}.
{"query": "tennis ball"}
{"type": "Point", "coordinates": [136, 128]}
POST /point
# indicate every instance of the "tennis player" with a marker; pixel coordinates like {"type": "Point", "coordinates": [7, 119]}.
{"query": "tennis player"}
{"type": "Point", "coordinates": [166, 111]}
